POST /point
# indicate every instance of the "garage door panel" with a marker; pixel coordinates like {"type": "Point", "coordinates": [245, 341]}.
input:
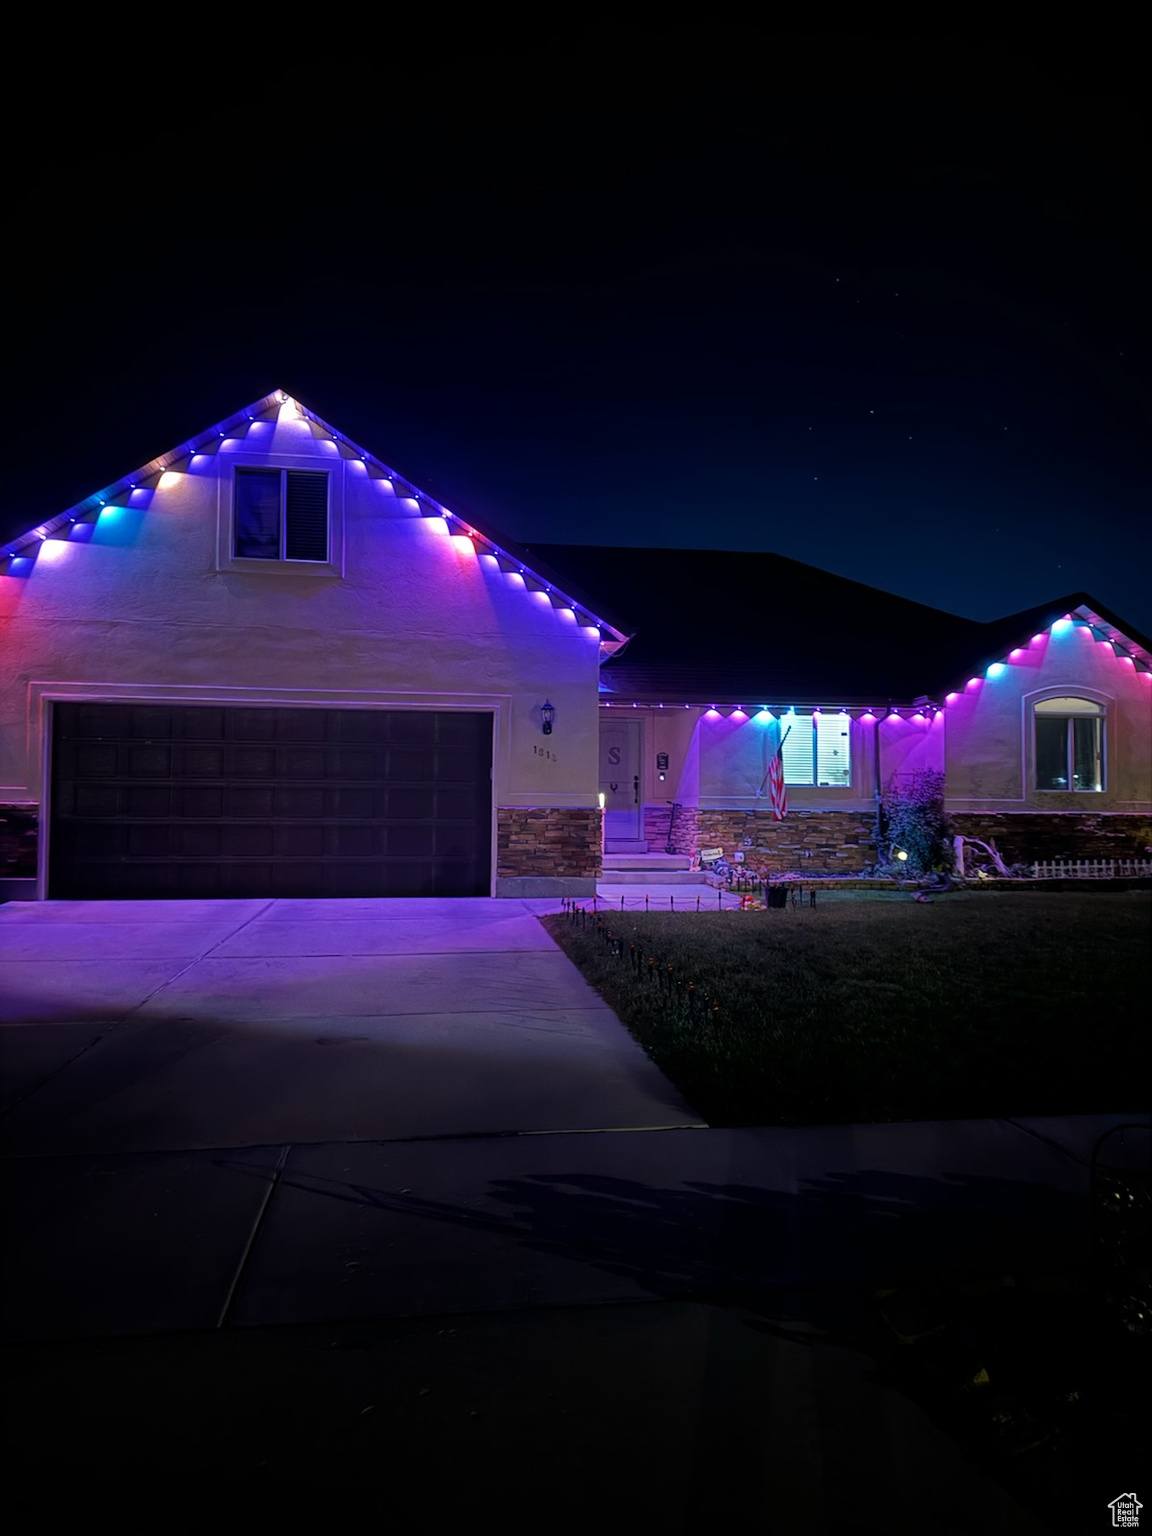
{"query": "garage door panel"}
{"type": "Point", "coordinates": [456, 764]}
{"type": "Point", "coordinates": [98, 762]}
{"type": "Point", "coordinates": [199, 842]}
{"type": "Point", "coordinates": [199, 762]}
{"type": "Point", "coordinates": [300, 803]}
{"type": "Point", "coordinates": [98, 720]}
{"type": "Point", "coordinates": [206, 801]}
{"type": "Point", "coordinates": [149, 842]}
{"type": "Point", "coordinates": [456, 804]}
{"type": "Point", "coordinates": [249, 802]}
{"type": "Point", "coordinates": [198, 802]}
{"type": "Point", "coordinates": [346, 803]}
{"type": "Point", "coordinates": [413, 726]}
{"type": "Point", "coordinates": [149, 762]}
{"type": "Point", "coordinates": [251, 724]}
{"type": "Point", "coordinates": [304, 725]}
{"type": "Point", "coordinates": [199, 722]}
{"type": "Point", "coordinates": [250, 763]}
{"type": "Point", "coordinates": [417, 765]}
{"type": "Point", "coordinates": [144, 720]}
{"type": "Point", "coordinates": [409, 803]}
{"type": "Point", "coordinates": [301, 763]}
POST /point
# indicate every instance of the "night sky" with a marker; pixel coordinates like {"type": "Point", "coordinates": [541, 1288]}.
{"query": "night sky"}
{"type": "Point", "coordinates": [870, 303]}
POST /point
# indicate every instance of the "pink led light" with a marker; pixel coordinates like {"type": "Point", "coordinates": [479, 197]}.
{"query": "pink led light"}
{"type": "Point", "coordinates": [951, 698]}
{"type": "Point", "coordinates": [1015, 653]}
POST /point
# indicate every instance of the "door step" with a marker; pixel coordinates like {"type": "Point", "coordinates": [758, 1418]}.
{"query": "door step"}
{"type": "Point", "coordinates": [649, 869]}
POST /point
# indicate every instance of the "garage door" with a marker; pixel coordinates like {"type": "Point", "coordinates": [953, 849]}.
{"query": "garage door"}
{"type": "Point", "coordinates": [154, 800]}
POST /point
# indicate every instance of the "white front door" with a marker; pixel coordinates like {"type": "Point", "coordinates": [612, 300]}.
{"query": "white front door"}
{"type": "Point", "coordinates": [620, 779]}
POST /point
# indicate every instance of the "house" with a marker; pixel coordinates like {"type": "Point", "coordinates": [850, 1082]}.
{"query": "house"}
{"type": "Point", "coordinates": [1041, 721]}
{"type": "Point", "coordinates": [267, 664]}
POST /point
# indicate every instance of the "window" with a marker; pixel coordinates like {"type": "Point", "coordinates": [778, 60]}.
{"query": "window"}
{"type": "Point", "coordinates": [1069, 744]}
{"type": "Point", "coordinates": [280, 514]}
{"type": "Point", "coordinates": [817, 750]}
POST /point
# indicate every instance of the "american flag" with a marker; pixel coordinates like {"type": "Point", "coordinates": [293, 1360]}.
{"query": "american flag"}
{"type": "Point", "coordinates": [776, 786]}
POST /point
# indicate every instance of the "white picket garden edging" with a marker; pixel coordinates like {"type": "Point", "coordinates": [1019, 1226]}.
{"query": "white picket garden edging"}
{"type": "Point", "coordinates": [1090, 869]}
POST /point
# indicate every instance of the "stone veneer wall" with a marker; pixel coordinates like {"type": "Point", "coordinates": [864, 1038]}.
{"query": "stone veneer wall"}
{"type": "Point", "coordinates": [656, 818]}
{"type": "Point", "coordinates": [561, 841]}
{"type": "Point", "coordinates": [19, 829]}
{"type": "Point", "coordinates": [1027, 837]}
{"type": "Point", "coordinates": [817, 842]}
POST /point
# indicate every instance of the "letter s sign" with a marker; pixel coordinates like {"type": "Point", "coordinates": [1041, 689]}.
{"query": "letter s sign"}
{"type": "Point", "coordinates": [614, 756]}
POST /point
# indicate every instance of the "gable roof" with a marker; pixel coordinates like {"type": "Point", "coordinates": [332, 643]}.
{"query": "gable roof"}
{"type": "Point", "coordinates": [720, 626]}
{"type": "Point", "coordinates": [510, 555]}
{"type": "Point", "coordinates": [716, 626]}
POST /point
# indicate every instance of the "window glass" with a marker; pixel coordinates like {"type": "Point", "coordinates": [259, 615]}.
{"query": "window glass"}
{"type": "Point", "coordinates": [1086, 763]}
{"type": "Point", "coordinates": [257, 521]}
{"type": "Point", "coordinates": [833, 757]}
{"type": "Point", "coordinates": [1051, 753]}
{"type": "Point", "coordinates": [796, 734]}
{"type": "Point", "coordinates": [1069, 706]}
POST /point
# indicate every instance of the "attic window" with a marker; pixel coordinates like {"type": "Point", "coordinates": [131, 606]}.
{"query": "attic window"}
{"type": "Point", "coordinates": [280, 514]}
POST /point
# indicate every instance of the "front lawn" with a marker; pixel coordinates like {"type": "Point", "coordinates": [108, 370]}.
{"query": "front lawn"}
{"type": "Point", "coordinates": [976, 1005]}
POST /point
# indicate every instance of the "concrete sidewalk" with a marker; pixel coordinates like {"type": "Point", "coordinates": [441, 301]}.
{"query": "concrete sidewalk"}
{"type": "Point", "coordinates": [239, 1135]}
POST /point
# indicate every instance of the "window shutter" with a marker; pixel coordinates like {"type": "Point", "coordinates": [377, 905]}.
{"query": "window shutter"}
{"type": "Point", "coordinates": [306, 516]}
{"type": "Point", "coordinates": [796, 733]}
{"type": "Point", "coordinates": [833, 752]}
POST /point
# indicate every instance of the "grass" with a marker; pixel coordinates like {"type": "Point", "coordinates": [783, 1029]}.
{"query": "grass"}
{"type": "Point", "coordinates": [972, 1005]}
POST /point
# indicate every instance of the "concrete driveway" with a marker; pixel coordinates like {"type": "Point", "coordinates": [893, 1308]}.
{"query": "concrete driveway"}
{"type": "Point", "coordinates": [152, 1026]}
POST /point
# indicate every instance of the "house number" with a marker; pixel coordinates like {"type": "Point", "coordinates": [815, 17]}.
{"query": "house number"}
{"type": "Point", "coordinates": [544, 752]}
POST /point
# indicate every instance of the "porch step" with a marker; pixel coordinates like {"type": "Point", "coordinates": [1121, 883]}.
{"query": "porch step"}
{"type": "Point", "coordinates": [651, 877]}
{"type": "Point", "coordinates": [625, 845]}
{"type": "Point", "coordinates": [649, 869]}
{"type": "Point", "coordinates": [615, 860]}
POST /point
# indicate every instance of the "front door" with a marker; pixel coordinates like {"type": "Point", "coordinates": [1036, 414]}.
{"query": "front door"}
{"type": "Point", "coordinates": [620, 779]}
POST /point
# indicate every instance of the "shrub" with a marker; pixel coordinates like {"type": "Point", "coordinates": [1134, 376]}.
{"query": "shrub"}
{"type": "Point", "coordinates": [915, 821]}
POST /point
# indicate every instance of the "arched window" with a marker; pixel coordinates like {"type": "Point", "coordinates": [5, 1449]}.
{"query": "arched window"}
{"type": "Point", "coordinates": [1069, 744]}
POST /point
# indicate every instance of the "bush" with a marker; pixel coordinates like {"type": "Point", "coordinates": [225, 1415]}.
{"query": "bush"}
{"type": "Point", "coordinates": [915, 821]}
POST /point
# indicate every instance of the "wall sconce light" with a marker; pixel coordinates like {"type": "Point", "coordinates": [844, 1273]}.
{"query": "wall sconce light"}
{"type": "Point", "coordinates": [901, 854]}
{"type": "Point", "coordinates": [547, 715]}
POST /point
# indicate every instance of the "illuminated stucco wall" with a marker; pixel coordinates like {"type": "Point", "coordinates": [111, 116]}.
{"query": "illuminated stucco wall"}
{"type": "Point", "coordinates": [989, 727]}
{"type": "Point", "coordinates": [720, 758]}
{"type": "Point", "coordinates": [148, 603]}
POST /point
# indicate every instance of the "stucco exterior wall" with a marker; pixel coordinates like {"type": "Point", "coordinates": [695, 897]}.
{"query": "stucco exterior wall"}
{"type": "Point", "coordinates": [152, 606]}
{"type": "Point", "coordinates": [989, 744]}
{"type": "Point", "coordinates": [721, 761]}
